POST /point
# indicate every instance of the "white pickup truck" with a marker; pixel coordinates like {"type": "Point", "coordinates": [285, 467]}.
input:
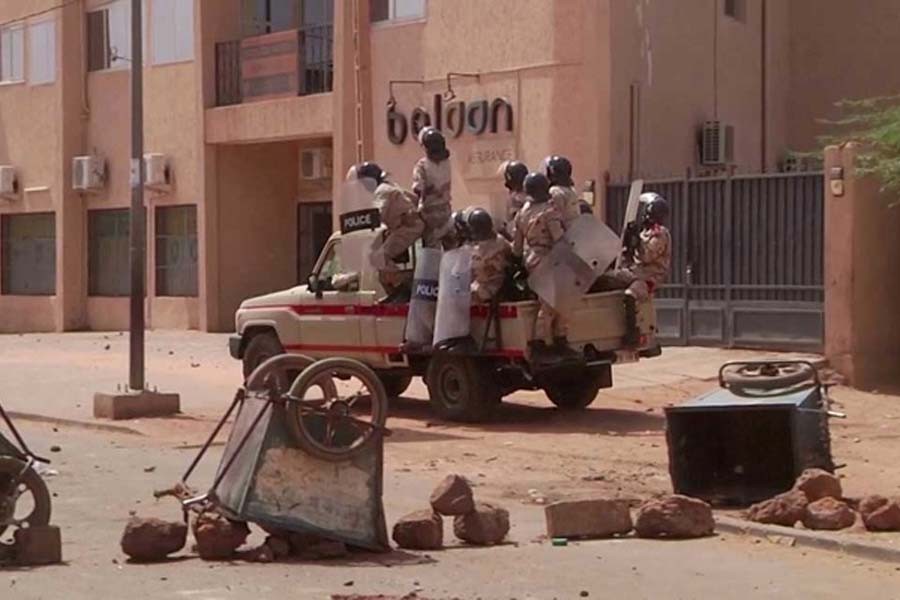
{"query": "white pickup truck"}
{"type": "Point", "coordinates": [321, 322]}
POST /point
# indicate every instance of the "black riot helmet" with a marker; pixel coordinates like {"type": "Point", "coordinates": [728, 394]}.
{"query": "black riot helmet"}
{"type": "Point", "coordinates": [481, 225]}
{"type": "Point", "coordinates": [514, 175]}
{"type": "Point", "coordinates": [370, 170]}
{"type": "Point", "coordinates": [434, 143]}
{"type": "Point", "coordinates": [559, 170]}
{"type": "Point", "coordinates": [655, 209]}
{"type": "Point", "coordinates": [537, 186]}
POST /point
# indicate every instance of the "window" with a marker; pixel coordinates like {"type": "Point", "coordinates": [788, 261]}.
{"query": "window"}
{"type": "Point", "coordinates": [12, 53]}
{"type": "Point", "coordinates": [28, 253]}
{"type": "Point", "coordinates": [176, 251]}
{"type": "Point", "coordinates": [735, 9]}
{"type": "Point", "coordinates": [396, 10]}
{"type": "Point", "coordinates": [108, 252]}
{"type": "Point", "coordinates": [42, 52]}
{"type": "Point", "coordinates": [109, 36]}
{"type": "Point", "coordinates": [172, 30]}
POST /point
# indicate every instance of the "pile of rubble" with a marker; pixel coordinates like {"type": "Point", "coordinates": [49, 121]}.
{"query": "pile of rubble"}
{"type": "Point", "coordinates": [668, 517]}
{"type": "Point", "coordinates": [817, 502]}
{"type": "Point", "coordinates": [477, 523]}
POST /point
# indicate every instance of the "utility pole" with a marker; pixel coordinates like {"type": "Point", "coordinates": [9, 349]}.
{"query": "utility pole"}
{"type": "Point", "coordinates": [137, 241]}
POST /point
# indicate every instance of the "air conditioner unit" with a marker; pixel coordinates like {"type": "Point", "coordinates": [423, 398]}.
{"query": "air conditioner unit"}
{"type": "Point", "coordinates": [716, 143]}
{"type": "Point", "coordinates": [157, 171]}
{"type": "Point", "coordinates": [88, 173]}
{"type": "Point", "coordinates": [315, 163]}
{"type": "Point", "coordinates": [9, 182]}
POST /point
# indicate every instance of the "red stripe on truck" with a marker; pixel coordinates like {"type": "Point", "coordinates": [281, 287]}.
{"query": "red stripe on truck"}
{"type": "Point", "coordinates": [508, 353]}
{"type": "Point", "coordinates": [378, 310]}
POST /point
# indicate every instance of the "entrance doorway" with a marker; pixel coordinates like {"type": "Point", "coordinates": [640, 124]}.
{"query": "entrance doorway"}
{"type": "Point", "coordinates": [313, 230]}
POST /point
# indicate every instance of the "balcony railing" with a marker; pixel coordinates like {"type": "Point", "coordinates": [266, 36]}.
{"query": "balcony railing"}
{"type": "Point", "coordinates": [298, 62]}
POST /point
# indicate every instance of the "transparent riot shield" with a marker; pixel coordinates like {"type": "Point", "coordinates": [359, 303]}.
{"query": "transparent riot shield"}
{"type": "Point", "coordinates": [423, 303]}
{"type": "Point", "coordinates": [360, 225]}
{"type": "Point", "coordinates": [593, 242]}
{"type": "Point", "coordinates": [561, 278]}
{"type": "Point", "coordinates": [454, 295]}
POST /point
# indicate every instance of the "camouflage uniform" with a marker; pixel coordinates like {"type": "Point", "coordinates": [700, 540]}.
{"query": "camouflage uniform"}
{"type": "Point", "coordinates": [538, 227]}
{"type": "Point", "coordinates": [566, 201]}
{"type": "Point", "coordinates": [489, 261]}
{"type": "Point", "coordinates": [514, 206]}
{"type": "Point", "coordinates": [431, 182]}
{"type": "Point", "coordinates": [647, 268]}
{"type": "Point", "coordinates": [403, 227]}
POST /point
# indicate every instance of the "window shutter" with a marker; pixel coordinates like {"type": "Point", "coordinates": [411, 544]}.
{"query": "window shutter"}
{"type": "Point", "coordinates": [98, 40]}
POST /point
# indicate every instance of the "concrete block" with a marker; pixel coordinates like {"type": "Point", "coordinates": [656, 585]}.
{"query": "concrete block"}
{"type": "Point", "coordinates": [588, 518]}
{"type": "Point", "coordinates": [38, 546]}
{"type": "Point", "coordinates": [135, 405]}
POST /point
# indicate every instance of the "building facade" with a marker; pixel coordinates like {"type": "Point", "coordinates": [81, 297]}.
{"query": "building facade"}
{"type": "Point", "coordinates": [254, 110]}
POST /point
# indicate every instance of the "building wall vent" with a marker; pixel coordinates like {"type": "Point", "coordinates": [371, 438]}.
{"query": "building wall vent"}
{"type": "Point", "coordinates": [716, 144]}
{"type": "Point", "coordinates": [9, 182]}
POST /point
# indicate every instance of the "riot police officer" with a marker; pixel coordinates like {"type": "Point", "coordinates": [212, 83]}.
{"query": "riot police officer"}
{"type": "Point", "coordinates": [514, 173]}
{"type": "Point", "coordinates": [431, 183]}
{"type": "Point", "coordinates": [491, 255]}
{"type": "Point", "coordinates": [562, 189]}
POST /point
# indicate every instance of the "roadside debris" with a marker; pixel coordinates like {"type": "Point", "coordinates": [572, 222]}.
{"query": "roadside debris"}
{"type": "Point", "coordinates": [674, 516]}
{"type": "Point", "coordinates": [589, 518]}
{"type": "Point", "coordinates": [487, 525]}
{"type": "Point", "coordinates": [818, 484]}
{"type": "Point", "coordinates": [150, 540]}
{"type": "Point", "coordinates": [828, 513]}
{"type": "Point", "coordinates": [880, 513]}
{"type": "Point", "coordinates": [217, 537]}
{"type": "Point", "coordinates": [421, 530]}
{"type": "Point", "coordinates": [784, 509]}
{"type": "Point", "coordinates": [453, 496]}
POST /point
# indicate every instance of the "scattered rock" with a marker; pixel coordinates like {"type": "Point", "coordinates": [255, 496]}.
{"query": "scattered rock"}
{"type": "Point", "coordinates": [595, 517]}
{"type": "Point", "coordinates": [880, 514]}
{"type": "Point", "coordinates": [55, 449]}
{"type": "Point", "coordinates": [147, 540]}
{"type": "Point", "coordinates": [674, 516]}
{"type": "Point", "coordinates": [784, 509]}
{"type": "Point", "coordinates": [217, 537]}
{"type": "Point", "coordinates": [828, 514]}
{"type": "Point", "coordinates": [149, 469]}
{"type": "Point", "coordinates": [453, 496]}
{"type": "Point", "coordinates": [818, 484]}
{"type": "Point", "coordinates": [485, 526]}
{"type": "Point", "coordinates": [421, 530]}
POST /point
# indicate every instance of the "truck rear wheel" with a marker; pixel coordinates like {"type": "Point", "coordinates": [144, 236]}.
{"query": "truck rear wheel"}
{"type": "Point", "coordinates": [460, 389]}
{"type": "Point", "coordinates": [394, 385]}
{"type": "Point", "coordinates": [579, 393]}
{"type": "Point", "coordinates": [261, 348]}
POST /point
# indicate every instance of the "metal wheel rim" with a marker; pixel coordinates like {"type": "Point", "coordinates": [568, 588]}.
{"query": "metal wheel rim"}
{"type": "Point", "coordinates": [451, 386]}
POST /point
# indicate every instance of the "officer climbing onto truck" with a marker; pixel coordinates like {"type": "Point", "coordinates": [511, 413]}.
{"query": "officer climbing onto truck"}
{"type": "Point", "coordinates": [539, 226]}
{"type": "Point", "coordinates": [431, 183]}
{"type": "Point", "coordinates": [647, 257]}
{"type": "Point", "coordinates": [562, 189]}
{"type": "Point", "coordinates": [403, 226]}
{"type": "Point", "coordinates": [514, 173]}
{"type": "Point", "coordinates": [491, 255]}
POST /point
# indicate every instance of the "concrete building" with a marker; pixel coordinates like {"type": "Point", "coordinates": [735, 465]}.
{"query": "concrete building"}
{"type": "Point", "coordinates": [255, 109]}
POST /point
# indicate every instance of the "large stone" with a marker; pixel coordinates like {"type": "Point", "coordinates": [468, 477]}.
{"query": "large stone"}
{"type": "Point", "coordinates": [818, 484]}
{"type": "Point", "coordinates": [674, 516]}
{"type": "Point", "coordinates": [217, 537]}
{"type": "Point", "coordinates": [784, 509]}
{"type": "Point", "coordinates": [588, 518]}
{"type": "Point", "coordinates": [829, 514]}
{"type": "Point", "coordinates": [485, 526]}
{"type": "Point", "coordinates": [135, 405]}
{"type": "Point", "coordinates": [880, 514]}
{"type": "Point", "coordinates": [421, 530]}
{"type": "Point", "coordinates": [453, 496]}
{"type": "Point", "coordinates": [38, 546]}
{"type": "Point", "coordinates": [147, 540]}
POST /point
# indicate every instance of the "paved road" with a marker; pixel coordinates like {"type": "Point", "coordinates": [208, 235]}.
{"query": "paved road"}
{"type": "Point", "coordinates": [102, 477]}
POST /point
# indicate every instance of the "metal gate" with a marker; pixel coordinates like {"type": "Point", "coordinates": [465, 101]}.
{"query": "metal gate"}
{"type": "Point", "coordinates": [747, 264]}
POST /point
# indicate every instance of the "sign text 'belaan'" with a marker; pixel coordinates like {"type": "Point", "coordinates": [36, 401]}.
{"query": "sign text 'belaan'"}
{"type": "Point", "coordinates": [478, 117]}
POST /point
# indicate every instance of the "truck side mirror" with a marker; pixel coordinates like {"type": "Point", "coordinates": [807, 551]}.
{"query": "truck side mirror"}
{"type": "Point", "coordinates": [312, 283]}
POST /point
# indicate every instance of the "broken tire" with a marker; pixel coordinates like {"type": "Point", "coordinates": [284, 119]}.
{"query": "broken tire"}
{"type": "Point", "coordinates": [765, 377]}
{"type": "Point", "coordinates": [261, 348]}
{"type": "Point", "coordinates": [31, 484]}
{"type": "Point", "coordinates": [333, 424]}
{"type": "Point", "coordinates": [460, 389]}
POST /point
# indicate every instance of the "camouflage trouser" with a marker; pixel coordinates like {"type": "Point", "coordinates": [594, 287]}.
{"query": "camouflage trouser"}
{"type": "Point", "coordinates": [394, 280]}
{"type": "Point", "coordinates": [625, 279]}
{"type": "Point", "coordinates": [396, 241]}
{"type": "Point", "coordinates": [484, 292]}
{"type": "Point", "coordinates": [551, 323]}
{"type": "Point", "coordinates": [439, 229]}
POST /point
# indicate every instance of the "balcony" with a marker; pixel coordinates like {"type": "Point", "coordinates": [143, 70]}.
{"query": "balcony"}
{"type": "Point", "coordinates": [297, 62]}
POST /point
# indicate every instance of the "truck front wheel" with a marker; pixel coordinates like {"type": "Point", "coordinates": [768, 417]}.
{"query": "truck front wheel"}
{"type": "Point", "coordinates": [460, 389]}
{"type": "Point", "coordinates": [577, 394]}
{"type": "Point", "coordinates": [261, 348]}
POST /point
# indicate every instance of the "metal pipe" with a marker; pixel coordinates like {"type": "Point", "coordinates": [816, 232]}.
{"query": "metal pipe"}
{"type": "Point", "coordinates": [137, 236]}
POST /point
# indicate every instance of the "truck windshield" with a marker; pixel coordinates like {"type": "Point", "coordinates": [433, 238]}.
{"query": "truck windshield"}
{"type": "Point", "coordinates": [331, 265]}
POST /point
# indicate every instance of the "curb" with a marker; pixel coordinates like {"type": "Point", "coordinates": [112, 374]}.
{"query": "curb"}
{"type": "Point", "coordinates": [35, 418]}
{"type": "Point", "coordinates": [810, 539]}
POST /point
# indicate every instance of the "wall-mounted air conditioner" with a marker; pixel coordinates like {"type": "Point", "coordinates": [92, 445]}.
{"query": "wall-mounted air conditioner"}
{"type": "Point", "coordinates": [9, 182]}
{"type": "Point", "coordinates": [88, 173]}
{"type": "Point", "coordinates": [157, 171]}
{"type": "Point", "coordinates": [716, 144]}
{"type": "Point", "coordinates": [315, 163]}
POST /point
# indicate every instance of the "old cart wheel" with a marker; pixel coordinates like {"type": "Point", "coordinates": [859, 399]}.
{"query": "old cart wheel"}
{"type": "Point", "coordinates": [278, 373]}
{"type": "Point", "coordinates": [766, 376]}
{"type": "Point", "coordinates": [261, 348]}
{"type": "Point", "coordinates": [336, 408]}
{"type": "Point", "coordinates": [460, 389]}
{"type": "Point", "coordinates": [25, 504]}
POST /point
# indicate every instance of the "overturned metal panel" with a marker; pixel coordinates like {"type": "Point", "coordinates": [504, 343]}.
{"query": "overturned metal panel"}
{"type": "Point", "coordinates": [454, 302]}
{"type": "Point", "coordinates": [276, 484]}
